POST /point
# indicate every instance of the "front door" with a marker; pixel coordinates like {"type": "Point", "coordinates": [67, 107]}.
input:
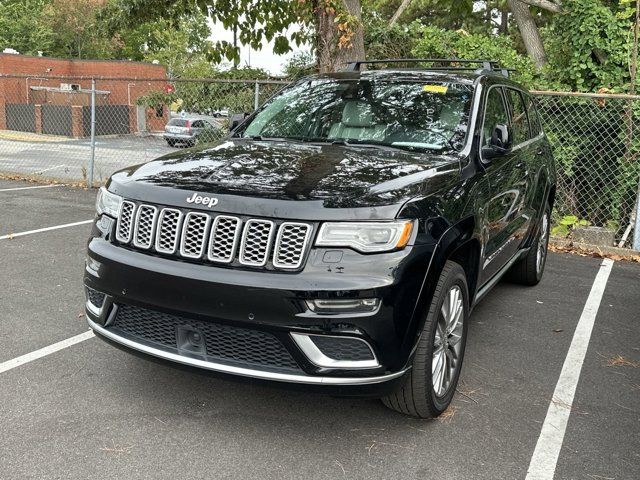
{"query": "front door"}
{"type": "Point", "coordinates": [504, 211]}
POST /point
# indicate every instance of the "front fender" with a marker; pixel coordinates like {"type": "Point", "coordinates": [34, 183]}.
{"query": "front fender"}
{"type": "Point", "coordinates": [452, 239]}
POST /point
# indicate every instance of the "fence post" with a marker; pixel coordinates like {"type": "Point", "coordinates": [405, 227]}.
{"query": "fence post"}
{"type": "Point", "coordinates": [636, 229]}
{"type": "Point", "coordinates": [256, 98]}
{"type": "Point", "coordinates": [93, 134]}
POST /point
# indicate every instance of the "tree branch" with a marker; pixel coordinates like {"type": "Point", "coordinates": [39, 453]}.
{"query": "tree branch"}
{"type": "Point", "coordinates": [554, 6]}
{"type": "Point", "coordinates": [403, 6]}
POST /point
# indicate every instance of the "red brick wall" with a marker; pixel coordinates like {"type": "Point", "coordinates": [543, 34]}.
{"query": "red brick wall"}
{"type": "Point", "coordinates": [137, 79]}
{"type": "Point", "coordinates": [16, 90]}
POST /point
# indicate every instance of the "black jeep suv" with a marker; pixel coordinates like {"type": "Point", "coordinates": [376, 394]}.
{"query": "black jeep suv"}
{"type": "Point", "coordinates": [338, 238]}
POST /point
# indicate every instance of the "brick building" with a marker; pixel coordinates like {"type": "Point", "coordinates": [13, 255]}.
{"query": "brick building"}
{"type": "Point", "coordinates": [52, 95]}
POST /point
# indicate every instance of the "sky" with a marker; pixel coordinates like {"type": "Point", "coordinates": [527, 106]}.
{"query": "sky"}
{"type": "Point", "coordinates": [264, 58]}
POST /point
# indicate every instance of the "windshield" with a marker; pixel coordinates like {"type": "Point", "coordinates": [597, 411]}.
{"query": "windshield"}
{"type": "Point", "coordinates": [403, 114]}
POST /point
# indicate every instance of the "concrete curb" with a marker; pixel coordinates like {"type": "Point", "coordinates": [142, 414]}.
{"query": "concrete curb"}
{"type": "Point", "coordinates": [569, 245]}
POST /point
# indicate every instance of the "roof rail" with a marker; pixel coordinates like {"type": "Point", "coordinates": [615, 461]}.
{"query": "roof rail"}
{"type": "Point", "coordinates": [481, 66]}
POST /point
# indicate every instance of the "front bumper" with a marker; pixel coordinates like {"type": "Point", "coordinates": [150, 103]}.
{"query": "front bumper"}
{"type": "Point", "coordinates": [179, 137]}
{"type": "Point", "coordinates": [241, 371]}
{"type": "Point", "coordinates": [268, 302]}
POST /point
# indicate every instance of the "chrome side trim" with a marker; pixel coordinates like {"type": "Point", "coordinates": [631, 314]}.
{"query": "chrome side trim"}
{"type": "Point", "coordinates": [245, 372]}
{"type": "Point", "coordinates": [315, 355]}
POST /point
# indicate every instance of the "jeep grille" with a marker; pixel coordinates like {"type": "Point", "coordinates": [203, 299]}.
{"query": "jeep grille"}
{"type": "Point", "coordinates": [219, 239]}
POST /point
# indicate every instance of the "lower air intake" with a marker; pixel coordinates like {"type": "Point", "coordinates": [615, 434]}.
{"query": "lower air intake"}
{"type": "Point", "coordinates": [242, 346]}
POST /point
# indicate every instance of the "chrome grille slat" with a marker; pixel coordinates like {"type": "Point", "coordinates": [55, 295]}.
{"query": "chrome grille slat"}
{"type": "Point", "coordinates": [144, 227]}
{"type": "Point", "coordinates": [291, 244]}
{"type": "Point", "coordinates": [124, 227]}
{"type": "Point", "coordinates": [194, 233]}
{"type": "Point", "coordinates": [168, 231]}
{"type": "Point", "coordinates": [256, 242]}
{"type": "Point", "coordinates": [223, 240]}
{"type": "Point", "coordinates": [219, 239]}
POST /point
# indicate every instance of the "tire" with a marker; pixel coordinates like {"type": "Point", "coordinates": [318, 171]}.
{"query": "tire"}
{"type": "Point", "coordinates": [530, 269]}
{"type": "Point", "coordinates": [417, 397]}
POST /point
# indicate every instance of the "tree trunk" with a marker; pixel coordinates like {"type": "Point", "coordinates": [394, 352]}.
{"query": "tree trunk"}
{"type": "Point", "coordinates": [331, 55]}
{"type": "Point", "coordinates": [403, 6]}
{"type": "Point", "coordinates": [504, 22]}
{"type": "Point", "coordinates": [529, 31]}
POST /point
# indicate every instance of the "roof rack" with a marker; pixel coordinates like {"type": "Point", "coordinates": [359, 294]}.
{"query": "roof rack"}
{"type": "Point", "coordinates": [481, 66]}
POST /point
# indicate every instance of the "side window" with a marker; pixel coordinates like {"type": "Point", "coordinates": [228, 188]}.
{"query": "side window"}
{"type": "Point", "coordinates": [534, 118]}
{"type": "Point", "coordinates": [519, 121]}
{"type": "Point", "coordinates": [197, 124]}
{"type": "Point", "coordinates": [495, 113]}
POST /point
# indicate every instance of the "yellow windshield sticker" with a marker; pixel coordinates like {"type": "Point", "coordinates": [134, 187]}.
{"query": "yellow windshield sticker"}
{"type": "Point", "coordinates": [435, 88]}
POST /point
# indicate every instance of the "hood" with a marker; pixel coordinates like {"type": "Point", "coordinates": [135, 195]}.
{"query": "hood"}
{"type": "Point", "coordinates": [325, 176]}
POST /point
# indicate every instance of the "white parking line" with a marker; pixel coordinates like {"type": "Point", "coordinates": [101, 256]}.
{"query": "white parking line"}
{"type": "Point", "coordinates": [28, 188]}
{"type": "Point", "coordinates": [43, 352]}
{"type": "Point", "coordinates": [46, 229]}
{"type": "Point", "coordinates": [545, 457]}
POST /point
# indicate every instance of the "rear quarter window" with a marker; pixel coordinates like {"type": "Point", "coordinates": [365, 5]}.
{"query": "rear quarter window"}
{"type": "Point", "coordinates": [534, 118]}
{"type": "Point", "coordinates": [519, 119]}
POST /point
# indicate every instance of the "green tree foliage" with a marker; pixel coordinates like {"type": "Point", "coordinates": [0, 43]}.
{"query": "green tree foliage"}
{"type": "Point", "coordinates": [300, 65]}
{"type": "Point", "coordinates": [589, 46]}
{"type": "Point", "coordinates": [440, 43]}
{"type": "Point", "coordinates": [384, 41]}
{"type": "Point", "coordinates": [22, 27]}
{"type": "Point", "coordinates": [181, 47]}
{"type": "Point", "coordinates": [78, 31]}
{"type": "Point", "coordinates": [255, 22]}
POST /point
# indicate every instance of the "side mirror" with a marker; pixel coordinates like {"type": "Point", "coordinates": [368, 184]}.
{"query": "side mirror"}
{"type": "Point", "coordinates": [236, 119]}
{"type": "Point", "coordinates": [500, 144]}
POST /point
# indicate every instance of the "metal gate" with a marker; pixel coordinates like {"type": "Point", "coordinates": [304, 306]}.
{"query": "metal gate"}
{"type": "Point", "coordinates": [20, 117]}
{"type": "Point", "coordinates": [56, 120]}
{"type": "Point", "coordinates": [110, 120]}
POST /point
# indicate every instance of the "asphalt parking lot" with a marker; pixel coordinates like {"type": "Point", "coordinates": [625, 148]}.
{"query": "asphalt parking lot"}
{"type": "Point", "coordinates": [91, 411]}
{"type": "Point", "coordinates": [67, 159]}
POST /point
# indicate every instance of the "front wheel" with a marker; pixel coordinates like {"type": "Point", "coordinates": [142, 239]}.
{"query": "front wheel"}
{"type": "Point", "coordinates": [435, 370]}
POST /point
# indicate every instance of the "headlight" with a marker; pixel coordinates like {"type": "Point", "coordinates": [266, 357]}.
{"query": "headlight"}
{"type": "Point", "coordinates": [108, 203]}
{"type": "Point", "coordinates": [366, 236]}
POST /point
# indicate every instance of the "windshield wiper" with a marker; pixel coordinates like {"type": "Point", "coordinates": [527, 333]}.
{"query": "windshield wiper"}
{"type": "Point", "coordinates": [260, 138]}
{"type": "Point", "coordinates": [369, 145]}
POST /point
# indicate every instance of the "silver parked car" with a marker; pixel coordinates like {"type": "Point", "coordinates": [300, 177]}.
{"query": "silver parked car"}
{"type": "Point", "coordinates": [189, 131]}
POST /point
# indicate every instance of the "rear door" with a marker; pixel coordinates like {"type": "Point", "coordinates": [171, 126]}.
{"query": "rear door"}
{"type": "Point", "coordinates": [526, 146]}
{"type": "Point", "coordinates": [504, 209]}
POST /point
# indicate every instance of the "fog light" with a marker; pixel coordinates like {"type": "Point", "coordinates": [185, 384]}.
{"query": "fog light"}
{"type": "Point", "coordinates": [350, 305]}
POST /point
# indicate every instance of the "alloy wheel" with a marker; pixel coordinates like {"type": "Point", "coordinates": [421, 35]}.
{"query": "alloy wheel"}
{"type": "Point", "coordinates": [447, 342]}
{"type": "Point", "coordinates": [542, 242]}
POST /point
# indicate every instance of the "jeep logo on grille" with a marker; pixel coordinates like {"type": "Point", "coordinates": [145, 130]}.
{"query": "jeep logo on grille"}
{"type": "Point", "coordinates": [201, 200]}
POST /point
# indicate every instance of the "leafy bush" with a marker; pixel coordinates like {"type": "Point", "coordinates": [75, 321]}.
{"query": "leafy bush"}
{"type": "Point", "coordinates": [437, 42]}
{"type": "Point", "coordinates": [588, 47]}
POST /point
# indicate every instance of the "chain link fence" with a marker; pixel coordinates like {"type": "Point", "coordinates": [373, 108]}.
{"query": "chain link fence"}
{"type": "Point", "coordinates": [596, 144]}
{"type": "Point", "coordinates": [81, 130]}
